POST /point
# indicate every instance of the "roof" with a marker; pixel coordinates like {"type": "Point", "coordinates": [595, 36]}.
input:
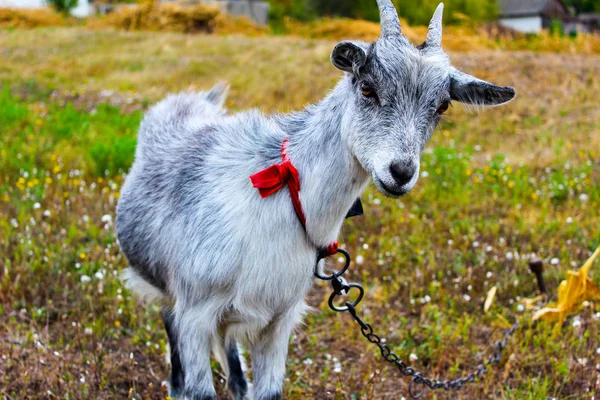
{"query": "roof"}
{"type": "Point", "coordinates": [522, 8]}
{"type": "Point", "coordinates": [589, 17]}
{"type": "Point", "coordinates": [516, 8]}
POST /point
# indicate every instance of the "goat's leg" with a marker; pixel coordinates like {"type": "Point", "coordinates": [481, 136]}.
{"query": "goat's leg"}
{"type": "Point", "coordinates": [226, 351]}
{"type": "Point", "coordinates": [269, 355]}
{"type": "Point", "coordinates": [196, 327]}
{"type": "Point", "coordinates": [176, 378]}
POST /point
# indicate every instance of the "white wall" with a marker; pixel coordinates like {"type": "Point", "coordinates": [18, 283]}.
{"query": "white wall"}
{"type": "Point", "coordinates": [22, 3]}
{"type": "Point", "coordinates": [523, 24]}
{"type": "Point", "coordinates": [83, 8]}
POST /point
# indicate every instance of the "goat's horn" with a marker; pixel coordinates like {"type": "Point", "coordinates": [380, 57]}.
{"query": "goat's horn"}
{"type": "Point", "coordinates": [434, 35]}
{"type": "Point", "coordinates": [390, 23]}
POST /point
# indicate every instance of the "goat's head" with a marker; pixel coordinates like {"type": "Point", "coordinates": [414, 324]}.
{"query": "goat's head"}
{"type": "Point", "coordinates": [398, 95]}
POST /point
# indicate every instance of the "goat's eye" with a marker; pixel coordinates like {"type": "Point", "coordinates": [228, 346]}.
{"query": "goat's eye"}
{"type": "Point", "coordinates": [367, 90]}
{"type": "Point", "coordinates": [443, 107]}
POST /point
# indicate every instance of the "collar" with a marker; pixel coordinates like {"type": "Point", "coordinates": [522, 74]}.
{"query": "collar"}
{"type": "Point", "coordinates": [272, 179]}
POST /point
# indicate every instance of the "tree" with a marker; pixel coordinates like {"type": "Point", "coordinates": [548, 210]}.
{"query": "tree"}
{"type": "Point", "coordinates": [585, 6]}
{"type": "Point", "coordinates": [456, 10]}
{"type": "Point", "coordinates": [63, 6]}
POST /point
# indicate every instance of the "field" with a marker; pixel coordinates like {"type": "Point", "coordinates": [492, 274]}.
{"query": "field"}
{"type": "Point", "coordinates": [496, 188]}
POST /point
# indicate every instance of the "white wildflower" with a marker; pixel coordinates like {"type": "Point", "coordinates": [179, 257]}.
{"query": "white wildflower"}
{"type": "Point", "coordinates": [37, 206]}
{"type": "Point", "coordinates": [337, 367]}
{"type": "Point", "coordinates": [85, 279]}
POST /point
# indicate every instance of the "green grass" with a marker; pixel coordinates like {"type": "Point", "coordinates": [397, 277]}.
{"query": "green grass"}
{"type": "Point", "coordinates": [495, 188]}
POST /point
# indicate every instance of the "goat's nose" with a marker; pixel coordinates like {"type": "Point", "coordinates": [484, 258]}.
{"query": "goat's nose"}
{"type": "Point", "coordinates": [402, 171]}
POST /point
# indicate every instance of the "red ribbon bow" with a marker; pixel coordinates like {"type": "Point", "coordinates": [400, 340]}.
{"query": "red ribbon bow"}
{"type": "Point", "coordinates": [273, 178]}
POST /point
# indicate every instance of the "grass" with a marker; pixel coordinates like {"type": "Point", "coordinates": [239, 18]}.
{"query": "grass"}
{"type": "Point", "coordinates": [496, 187]}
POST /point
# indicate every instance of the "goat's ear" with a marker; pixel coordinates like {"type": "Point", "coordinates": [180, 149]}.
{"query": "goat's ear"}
{"type": "Point", "coordinates": [470, 90]}
{"type": "Point", "coordinates": [349, 56]}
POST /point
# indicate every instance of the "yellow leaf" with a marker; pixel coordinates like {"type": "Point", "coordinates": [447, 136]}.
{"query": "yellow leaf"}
{"type": "Point", "coordinates": [571, 294]}
{"type": "Point", "coordinates": [489, 299]}
{"type": "Point", "coordinates": [530, 304]}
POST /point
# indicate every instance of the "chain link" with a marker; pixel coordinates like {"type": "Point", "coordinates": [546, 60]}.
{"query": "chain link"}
{"type": "Point", "coordinates": [419, 382]}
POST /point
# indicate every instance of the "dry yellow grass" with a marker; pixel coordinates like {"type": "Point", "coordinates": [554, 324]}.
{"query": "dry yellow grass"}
{"type": "Point", "coordinates": [229, 24]}
{"type": "Point", "coordinates": [456, 38]}
{"type": "Point", "coordinates": [160, 17]}
{"type": "Point", "coordinates": [27, 19]}
{"type": "Point", "coordinates": [152, 16]}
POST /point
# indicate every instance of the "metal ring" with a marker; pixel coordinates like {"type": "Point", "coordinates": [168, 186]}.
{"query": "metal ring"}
{"type": "Point", "coordinates": [334, 274]}
{"type": "Point", "coordinates": [411, 389]}
{"type": "Point", "coordinates": [361, 293]}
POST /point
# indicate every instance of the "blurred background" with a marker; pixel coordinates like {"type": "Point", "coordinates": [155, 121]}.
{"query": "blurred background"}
{"type": "Point", "coordinates": [499, 188]}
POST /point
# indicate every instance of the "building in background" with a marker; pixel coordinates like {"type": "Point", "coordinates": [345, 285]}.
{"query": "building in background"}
{"type": "Point", "coordinates": [588, 22]}
{"type": "Point", "coordinates": [531, 16]}
{"type": "Point", "coordinates": [82, 10]}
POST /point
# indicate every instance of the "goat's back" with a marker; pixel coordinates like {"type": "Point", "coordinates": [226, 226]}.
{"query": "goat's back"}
{"type": "Point", "coordinates": [187, 207]}
{"type": "Point", "coordinates": [166, 131]}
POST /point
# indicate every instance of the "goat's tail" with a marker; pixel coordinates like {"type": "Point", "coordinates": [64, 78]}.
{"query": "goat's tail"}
{"type": "Point", "coordinates": [218, 94]}
{"type": "Point", "coordinates": [144, 289]}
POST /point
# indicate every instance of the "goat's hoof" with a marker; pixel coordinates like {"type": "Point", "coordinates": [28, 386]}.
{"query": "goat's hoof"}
{"type": "Point", "coordinates": [200, 396]}
{"type": "Point", "coordinates": [238, 387]}
{"type": "Point", "coordinates": [176, 394]}
{"type": "Point", "coordinates": [176, 389]}
{"type": "Point", "coordinates": [274, 396]}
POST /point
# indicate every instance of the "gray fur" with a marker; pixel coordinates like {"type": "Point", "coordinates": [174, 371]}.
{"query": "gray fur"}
{"type": "Point", "coordinates": [237, 266]}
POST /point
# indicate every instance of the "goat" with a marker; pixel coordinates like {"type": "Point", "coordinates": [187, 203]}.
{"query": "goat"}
{"type": "Point", "coordinates": [233, 267]}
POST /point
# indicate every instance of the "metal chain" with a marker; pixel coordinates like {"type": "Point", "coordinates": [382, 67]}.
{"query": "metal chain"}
{"type": "Point", "coordinates": [418, 382]}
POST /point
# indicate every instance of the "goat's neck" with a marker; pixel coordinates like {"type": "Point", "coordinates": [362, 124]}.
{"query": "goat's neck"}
{"type": "Point", "coordinates": [331, 177]}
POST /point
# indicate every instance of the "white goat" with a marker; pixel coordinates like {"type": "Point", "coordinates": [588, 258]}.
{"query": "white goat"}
{"type": "Point", "coordinates": [232, 266]}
